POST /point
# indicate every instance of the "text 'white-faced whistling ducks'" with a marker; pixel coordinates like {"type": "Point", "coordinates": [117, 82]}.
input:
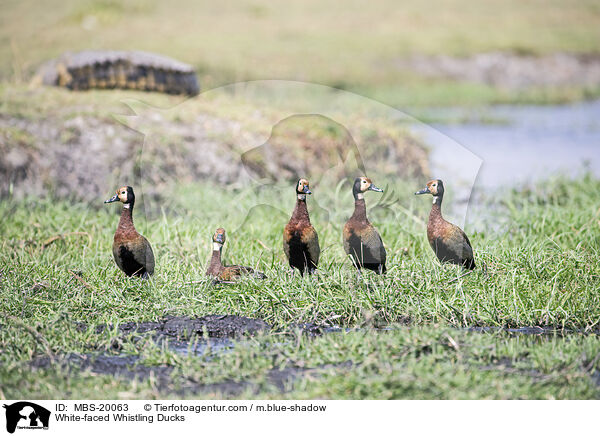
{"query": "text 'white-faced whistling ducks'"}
{"type": "Point", "coordinates": [448, 241]}
{"type": "Point", "coordinates": [361, 240]}
{"type": "Point", "coordinates": [226, 273]}
{"type": "Point", "coordinates": [132, 252]}
{"type": "Point", "coordinates": [300, 240]}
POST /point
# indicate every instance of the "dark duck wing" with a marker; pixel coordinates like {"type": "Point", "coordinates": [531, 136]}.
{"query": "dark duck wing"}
{"type": "Point", "coordinates": [311, 239]}
{"type": "Point", "coordinates": [453, 246]}
{"type": "Point", "coordinates": [464, 249]}
{"type": "Point", "coordinates": [149, 257]}
{"type": "Point", "coordinates": [287, 237]}
{"type": "Point", "coordinates": [365, 246]}
{"type": "Point", "coordinates": [134, 256]}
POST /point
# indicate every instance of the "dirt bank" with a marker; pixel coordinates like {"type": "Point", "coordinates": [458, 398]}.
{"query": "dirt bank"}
{"type": "Point", "coordinates": [77, 149]}
{"type": "Point", "coordinates": [510, 70]}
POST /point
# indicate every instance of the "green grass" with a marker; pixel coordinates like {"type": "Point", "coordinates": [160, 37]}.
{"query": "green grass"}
{"type": "Point", "coordinates": [350, 45]}
{"type": "Point", "coordinates": [541, 250]}
{"type": "Point", "coordinates": [541, 259]}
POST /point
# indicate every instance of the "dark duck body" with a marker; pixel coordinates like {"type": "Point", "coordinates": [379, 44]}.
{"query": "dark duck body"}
{"type": "Point", "coordinates": [300, 239]}
{"type": "Point", "coordinates": [224, 273]}
{"type": "Point", "coordinates": [361, 239]}
{"type": "Point", "coordinates": [449, 243]}
{"type": "Point", "coordinates": [132, 252]}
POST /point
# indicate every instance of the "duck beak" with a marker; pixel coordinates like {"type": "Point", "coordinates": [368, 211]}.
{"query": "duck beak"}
{"type": "Point", "coordinates": [219, 238]}
{"type": "Point", "coordinates": [423, 191]}
{"type": "Point", "coordinates": [112, 199]}
{"type": "Point", "coordinates": [375, 188]}
{"type": "Point", "coordinates": [306, 190]}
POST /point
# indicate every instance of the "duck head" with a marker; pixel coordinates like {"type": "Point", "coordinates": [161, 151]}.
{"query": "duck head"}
{"type": "Point", "coordinates": [219, 238]}
{"type": "Point", "coordinates": [302, 188]}
{"type": "Point", "coordinates": [434, 187]}
{"type": "Point", "coordinates": [125, 195]}
{"type": "Point", "coordinates": [362, 185]}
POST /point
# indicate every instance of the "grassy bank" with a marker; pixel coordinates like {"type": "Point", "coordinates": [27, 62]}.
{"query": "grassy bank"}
{"type": "Point", "coordinates": [541, 260]}
{"type": "Point", "coordinates": [541, 253]}
{"type": "Point", "coordinates": [349, 45]}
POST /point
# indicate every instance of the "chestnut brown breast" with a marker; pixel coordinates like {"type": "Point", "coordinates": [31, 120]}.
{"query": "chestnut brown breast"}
{"type": "Point", "coordinates": [300, 241]}
{"type": "Point", "coordinates": [363, 242]}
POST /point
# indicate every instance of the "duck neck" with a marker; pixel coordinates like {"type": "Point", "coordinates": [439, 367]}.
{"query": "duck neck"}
{"type": "Point", "coordinates": [300, 211]}
{"type": "Point", "coordinates": [215, 260]}
{"type": "Point", "coordinates": [436, 208]}
{"type": "Point", "coordinates": [360, 208]}
{"type": "Point", "coordinates": [126, 220]}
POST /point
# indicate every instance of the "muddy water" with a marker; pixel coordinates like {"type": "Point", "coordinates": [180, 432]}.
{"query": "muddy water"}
{"type": "Point", "coordinates": [212, 335]}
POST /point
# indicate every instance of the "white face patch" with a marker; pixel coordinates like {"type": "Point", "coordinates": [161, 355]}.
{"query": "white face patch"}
{"type": "Point", "coordinates": [126, 206]}
{"type": "Point", "coordinates": [360, 196]}
{"type": "Point", "coordinates": [301, 196]}
{"type": "Point", "coordinates": [217, 246]}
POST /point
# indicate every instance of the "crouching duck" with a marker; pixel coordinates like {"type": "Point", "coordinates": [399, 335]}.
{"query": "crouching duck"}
{"type": "Point", "coordinates": [449, 243]}
{"type": "Point", "coordinates": [224, 273]}
{"type": "Point", "coordinates": [132, 252]}
{"type": "Point", "coordinates": [300, 240]}
{"type": "Point", "coordinates": [361, 240]}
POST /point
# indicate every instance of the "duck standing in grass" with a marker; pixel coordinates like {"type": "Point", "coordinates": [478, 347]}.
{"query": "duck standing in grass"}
{"type": "Point", "coordinates": [447, 240]}
{"type": "Point", "coordinates": [224, 273]}
{"type": "Point", "coordinates": [132, 252]}
{"type": "Point", "coordinates": [361, 239]}
{"type": "Point", "coordinates": [300, 239]}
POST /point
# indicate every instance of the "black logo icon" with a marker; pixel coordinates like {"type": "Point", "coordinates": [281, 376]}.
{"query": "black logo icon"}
{"type": "Point", "coordinates": [28, 415]}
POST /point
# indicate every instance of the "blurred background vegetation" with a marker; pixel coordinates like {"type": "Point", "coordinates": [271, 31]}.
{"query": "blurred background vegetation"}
{"type": "Point", "coordinates": [364, 46]}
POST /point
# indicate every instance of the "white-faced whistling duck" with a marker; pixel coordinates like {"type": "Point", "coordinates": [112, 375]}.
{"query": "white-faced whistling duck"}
{"type": "Point", "coordinates": [300, 240]}
{"type": "Point", "coordinates": [226, 273]}
{"type": "Point", "coordinates": [132, 252]}
{"type": "Point", "coordinates": [447, 240]}
{"type": "Point", "coordinates": [361, 239]}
